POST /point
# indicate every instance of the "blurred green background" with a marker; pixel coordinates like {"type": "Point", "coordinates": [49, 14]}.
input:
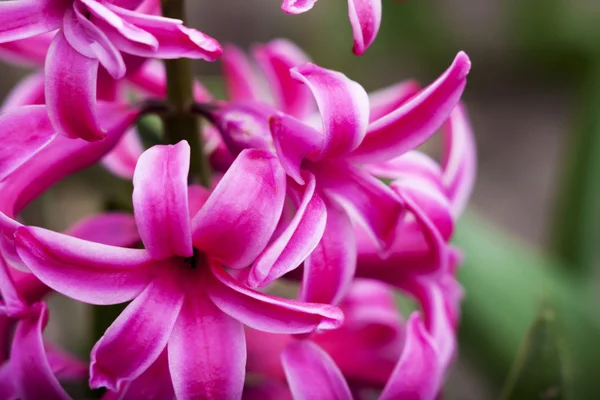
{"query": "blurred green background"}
{"type": "Point", "coordinates": [532, 235]}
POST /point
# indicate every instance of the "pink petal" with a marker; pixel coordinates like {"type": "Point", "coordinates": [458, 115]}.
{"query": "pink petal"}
{"type": "Point", "coordinates": [160, 200]}
{"type": "Point", "coordinates": [24, 131]}
{"type": "Point", "coordinates": [86, 271]}
{"type": "Point", "coordinates": [294, 141]}
{"type": "Point", "coordinates": [138, 336]}
{"type": "Point", "coordinates": [28, 91]}
{"type": "Point", "coordinates": [7, 387]}
{"type": "Point", "coordinates": [207, 352]}
{"type": "Point", "coordinates": [64, 365]}
{"type": "Point", "coordinates": [460, 159]}
{"type": "Point", "coordinates": [295, 243]}
{"type": "Point", "coordinates": [241, 81]}
{"type": "Point", "coordinates": [416, 120]}
{"type": "Point", "coordinates": [373, 204]}
{"type": "Point", "coordinates": [30, 368]}
{"type": "Point", "coordinates": [329, 270]}
{"type": "Point", "coordinates": [344, 107]}
{"type": "Point", "coordinates": [237, 221]}
{"type": "Point", "coordinates": [297, 6]}
{"type": "Point", "coordinates": [312, 374]}
{"type": "Point", "coordinates": [111, 228]}
{"type": "Point", "coordinates": [20, 19]}
{"type": "Point", "coordinates": [122, 160]}
{"type": "Point", "coordinates": [152, 384]}
{"type": "Point", "coordinates": [31, 51]}
{"type": "Point", "coordinates": [13, 303]}
{"type": "Point", "coordinates": [413, 164]}
{"type": "Point", "coordinates": [416, 375]}
{"type": "Point", "coordinates": [269, 313]}
{"type": "Point", "coordinates": [276, 58]}
{"type": "Point", "coordinates": [384, 101]}
{"type": "Point", "coordinates": [365, 18]}
{"type": "Point", "coordinates": [71, 91]}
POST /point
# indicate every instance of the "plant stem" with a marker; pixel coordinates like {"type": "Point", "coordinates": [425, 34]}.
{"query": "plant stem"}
{"type": "Point", "coordinates": [180, 124]}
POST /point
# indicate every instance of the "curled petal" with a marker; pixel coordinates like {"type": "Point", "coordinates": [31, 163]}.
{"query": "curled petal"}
{"type": "Point", "coordinates": [28, 359]}
{"type": "Point", "coordinates": [239, 75]}
{"type": "Point", "coordinates": [237, 221]}
{"type": "Point", "coordinates": [203, 329]}
{"type": "Point", "coordinates": [384, 101]}
{"type": "Point", "coordinates": [460, 159]}
{"type": "Point", "coordinates": [416, 375]}
{"type": "Point", "coordinates": [138, 336]}
{"type": "Point", "coordinates": [343, 104]}
{"type": "Point", "coordinates": [295, 243]}
{"type": "Point", "coordinates": [365, 18]}
{"type": "Point", "coordinates": [329, 269]}
{"type": "Point", "coordinates": [20, 19]}
{"type": "Point", "coordinates": [312, 374]}
{"type": "Point", "coordinates": [417, 119]}
{"type": "Point", "coordinates": [297, 6]}
{"type": "Point", "coordinates": [160, 200]}
{"type": "Point", "coordinates": [269, 313]}
{"type": "Point", "coordinates": [413, 164]}
{"type": "Point", "coordinates": [24, 131]}
{"type": "Point", "coordinates": [122, 160]}
{"type": "Point", "coordinates": [89, 272]}
{"type": "Point", "coordinates": [113, 229]}
{"type": "Point", "coordinates": [27, 92]}
{"type": "Point", "coordinates": [276, 58]}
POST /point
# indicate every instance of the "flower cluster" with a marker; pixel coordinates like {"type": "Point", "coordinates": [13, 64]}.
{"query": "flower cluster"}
{"type": "Point", "coordinates": [280, 279]}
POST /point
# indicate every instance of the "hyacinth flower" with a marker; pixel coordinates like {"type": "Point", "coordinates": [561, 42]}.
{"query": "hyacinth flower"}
{"type": "Point", "coordinates": [365, 19]}
{"type": "Point", "coordinates": [92, 33]}
{"type": "Point", "coordinates": [182, 296]}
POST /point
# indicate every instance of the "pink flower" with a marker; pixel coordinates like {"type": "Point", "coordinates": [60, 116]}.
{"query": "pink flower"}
{"type": "Point", "coordinates": [183, 299]}
{"type": "Point", "coordinates": [365, 18]}
{"type": "Point", "coordinates": [93, 33]}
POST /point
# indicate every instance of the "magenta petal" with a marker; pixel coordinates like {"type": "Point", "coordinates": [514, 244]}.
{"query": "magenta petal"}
{"type": "Point", "coordinates": [237, 221]}
{"type": "Point", "coordinates": [31, 51]}
{"type": "Point", "coordinates": [276, 58]}
{"type": "Point", "coordinates": [295, 243]}
{"type": "Point", "coordinates": [28, 91]}
{"type": "Point", "coordinates": [344, 107]}
{"type": "Point", "coordinates": [152, 384]}
{"type": "Point", "coordinates": [160, 200]}
{"type": "Point", "coordinates": [460, 159]}
{"type": "Point", "coordinates": [384, 101]}
{"type": "Point", "coordinates": [20, 19]}
{"type": "Point", "coordinates": [312, 374]}
{"type": "Point", "coordinates": [416, 120]}
{"type": "Point", "coordinates": [71, 91]}
{"type": "Point", "coordinates": [329, 270]}
{"type": "Point", "coordinates": [7, 387]}
{"type": "Point", "coordinates": [12, 301]}
{"type": "Point", "coordinates": [413, 164]}
{"type": "Point", "coordinates": [89, 272]}
{"type": "Point", "coordinates": [416, 375]}
{"type": "Point", "coordinates": [122, 160]}
{"type": "Point", "coordinates": [269, 313]}
{"type": "Point", "coordinates": [28, 359]}
{"type": "Point", "coordinates": [365, 18]}
{"type": "Point", "coordinates": [207, 352]}
{"type": "Point", "coordinates": [111, 228]}
{"type": "Point", "coordinates": [297, 6]}
{"type": "Point", "coordinates": [239, 75]}
{"type": "Point", "coordinates": [138, 336]}
{"type": "Point", "coordinates": [24, 131]}
{"type": "Point", "coordinates": [64, 365]}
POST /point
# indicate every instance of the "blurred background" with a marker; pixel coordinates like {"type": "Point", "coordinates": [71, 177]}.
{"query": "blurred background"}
{"type": "Point", "coordinates": [532, 236]}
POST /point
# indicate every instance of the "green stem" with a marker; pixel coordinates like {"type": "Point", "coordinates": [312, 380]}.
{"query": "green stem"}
{"type": "Point", "coordinates": [180, 124]}
{"type": "Point", "coordinates": [576, 232]}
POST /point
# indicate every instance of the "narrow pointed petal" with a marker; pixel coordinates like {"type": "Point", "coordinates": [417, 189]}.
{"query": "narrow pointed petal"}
{"type": "Point", "coordinates": [153, 384]}
{"type": "Point", "coordinates": [297, 6]}
{"type": "Point", "coordinates": [384, 101]}
{"type": "Point", "coordinates": [460, 159]}
{"type": "Point", "coordinates": [138, 336]}
{"type": "Point", "coordinates": [89, 272]}
{"type": "Point", "coordinates": [122, 160]}
{"type": "Point", "coordinates": [237, 221]}
{"type": "Point", "coordinates": [28, 359]}
{"type": "Point", "coordinates": [207, 352]}
{"type": "Point", "coordinates": [294, 141]}
{"type": "Point", "coordinates": [373, 204]}
{"type": "Point", "coordinates": [28, 91]}
{"type": "Point", "coordinates": [240, 77]}
{"type": "Point", "coordinates": [24, 132]}
{"type": "Point", "coordinates": [343, 104]}
{"type": "Point", "coordinates": [416, 375]}
{"type": "Point", "coordinates": [110, 228]}
{"type": "Point", "coordinates": [329, 270]}
{"type": "Point", "coordinates": [417, 119]}
{"type": "Point", "coordinates": [296, 242]}
{"type": "Point", "coordinates": [71, 91]}
{"type": "Point", "coordinates": [20, 19]}
{"type": "Point", "coordinates": [413, 164]}
{"type": "Point", "coordinates": [269, 313]}
{"type": "Point", "coordinates": [30, 52]}
{"type": "Point", "coordinates": [160, 200]}
{"type": "Point", "coordinates": [312, 374]}
{"type": "Point", "coordinates": [365, 18]}
{"type": "Point", "coordinates": [276, 58]}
